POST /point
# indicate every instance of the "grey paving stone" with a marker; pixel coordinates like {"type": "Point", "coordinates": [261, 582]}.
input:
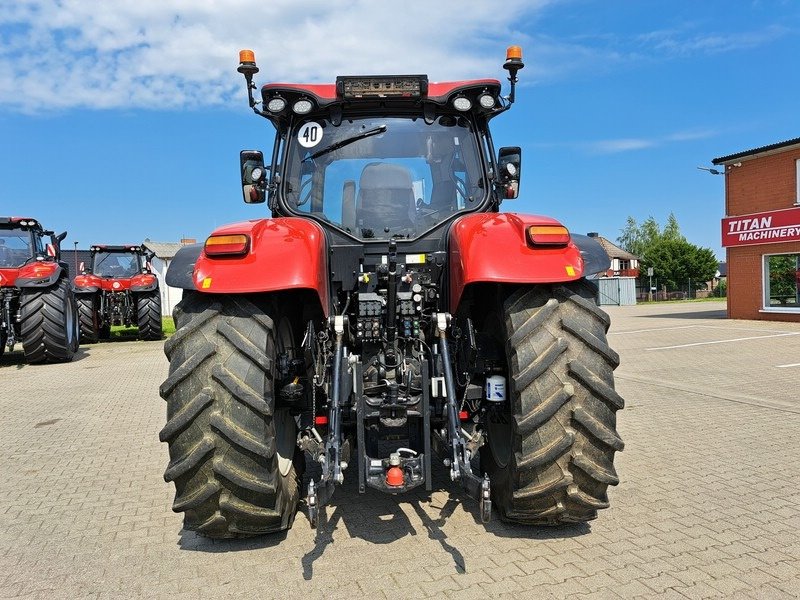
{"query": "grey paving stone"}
{"type": "Point", "coordinates": [708, 504]}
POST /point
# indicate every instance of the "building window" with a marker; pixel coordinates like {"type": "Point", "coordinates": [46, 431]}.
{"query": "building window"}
{"type": "Point", "coordinates": [782, 282]}
{"type": "Point", "coordinates": [797, 181]}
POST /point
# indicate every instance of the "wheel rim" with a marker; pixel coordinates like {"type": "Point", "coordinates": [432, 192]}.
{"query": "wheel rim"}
{"type": "Point", "coordinates": [500, 429]}
{"type": "Point", "coordinates": [70, 321]}
{"type": "Point", "coordinates": [285, 438]}
{"type": "Point", "coordinates": [285, 426]}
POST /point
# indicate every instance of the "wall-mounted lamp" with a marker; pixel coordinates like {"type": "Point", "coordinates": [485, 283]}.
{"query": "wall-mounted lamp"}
{"type": "Point", "coordinates": [717, 171]}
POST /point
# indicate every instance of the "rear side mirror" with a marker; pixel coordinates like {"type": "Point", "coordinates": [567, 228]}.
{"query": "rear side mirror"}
{"type": "Point", "coordinates": [55, 242]}
{"type": "Point", "coordinates": [251, 163]}
{"type": "Point", "coordinates": [82, 268]}
{"type": "Point", "coordinates": [509, 163]}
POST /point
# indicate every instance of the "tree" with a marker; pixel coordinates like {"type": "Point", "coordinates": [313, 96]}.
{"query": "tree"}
{"type": "Point", "coordinates": [783, 280]}
{"type": "Point", "coordinates": [675, 261]}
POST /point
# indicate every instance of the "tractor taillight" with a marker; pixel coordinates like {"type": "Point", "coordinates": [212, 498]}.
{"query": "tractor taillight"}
{"type": "Point", "coordinates": [548, 235]}
{"type": "Point", "coordinates": [227, 245]}
{"type": "Point", "coordinates": [43, 269]}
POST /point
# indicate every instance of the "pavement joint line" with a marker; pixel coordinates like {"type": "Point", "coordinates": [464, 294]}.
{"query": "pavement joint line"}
{"type": "Point", "coordinates": [742, 400]}
{"type": "Point", "coordinates": [653, 329]}
{"type": "Point", "coordinates": [744, 329]}
{"type": "Point", "coordinates": [755, 337]}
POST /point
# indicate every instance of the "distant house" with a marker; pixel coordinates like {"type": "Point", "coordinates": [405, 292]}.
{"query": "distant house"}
{"type": "Point", "coordinates": [623, 263]}
{"type": "Point", "coordinates": [164, 253]}
{"type": "Point", "coordinates": [616, 286]}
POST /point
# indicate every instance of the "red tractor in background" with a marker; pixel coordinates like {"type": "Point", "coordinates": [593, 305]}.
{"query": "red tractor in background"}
{"type": "Point", "coordinates": [386, 312]}
{"type": "Point", "coordinates": [118, 288]}
{"type": "Point", "coordinates": [37, 306]}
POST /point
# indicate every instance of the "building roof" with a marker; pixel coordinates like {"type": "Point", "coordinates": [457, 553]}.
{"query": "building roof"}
{"type": "Point", "coordinates": [163, 249]}
{"type": "Point", "coordinates": [612, 249]}
{"type": "Point", "coordinates": [756, 152]}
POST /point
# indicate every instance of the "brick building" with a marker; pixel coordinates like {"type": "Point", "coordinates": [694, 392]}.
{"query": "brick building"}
{"type": "Point", "coordinates": [761, 231]}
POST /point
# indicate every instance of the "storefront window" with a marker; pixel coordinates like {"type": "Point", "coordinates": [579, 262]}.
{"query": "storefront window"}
{"type": "Point", "coordinates": [782, 281]}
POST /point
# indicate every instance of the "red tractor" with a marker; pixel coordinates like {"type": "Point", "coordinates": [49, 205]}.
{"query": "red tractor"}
{"type": "Point", "coordinates": [387, 311]}
{"type": "Point", "coordinates": [118, 288]}
{"type": "Point", "coordinates": [37, 306]}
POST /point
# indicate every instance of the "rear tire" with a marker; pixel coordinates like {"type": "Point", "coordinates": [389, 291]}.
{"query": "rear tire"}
{"type": "Point", "coordinates": [49, 323]}
{"type": "Point", "coordinates": [89, 316]}
{"type": "Point", "coordinates": [231, 453]}
{"type": "Point", "coordinates": [550, 457]}
{"type": "Point", "coordinates": [148, 315]}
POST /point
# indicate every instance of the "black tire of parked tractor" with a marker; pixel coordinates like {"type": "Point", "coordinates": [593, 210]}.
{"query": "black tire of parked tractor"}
{"type": "Point", "coordinates": [231, 453]}
{"type": "Point", "coordinates": [551, 456]}
{"type": "Point", "coordinates": [89, 316]}
{"type": "Point", "coordinates": [3, 340]}
{"type": "Point", "coordinates": [49, 325]}
{"type": "Point", "coordinates": [148, 315]}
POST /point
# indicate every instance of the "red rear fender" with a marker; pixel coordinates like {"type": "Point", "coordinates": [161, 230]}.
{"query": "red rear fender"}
{"type": "Point", "coordinates": [87, 283]}
{"type": "Point", "coordinates": [143, 282]}
{"type": "Point", "coordinates": [8, 277]}
{"type": "Point", "coordinates": [286, 253]}
{"type": "Point", "coordinates": [38, 274]}
{"type": "Point", "coordinates": [493, 247]}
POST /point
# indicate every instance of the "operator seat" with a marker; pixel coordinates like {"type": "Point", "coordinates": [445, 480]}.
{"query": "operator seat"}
{"type": "Point", "coordinates": [385, 200]}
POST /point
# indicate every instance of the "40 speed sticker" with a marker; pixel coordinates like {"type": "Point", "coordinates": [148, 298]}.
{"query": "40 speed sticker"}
{"type": "Point", "coordinates": [310, 135]}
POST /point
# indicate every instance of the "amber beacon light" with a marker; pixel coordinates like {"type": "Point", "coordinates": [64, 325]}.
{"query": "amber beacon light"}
{"type": "Point", "coordinates": [247, 61]}
{"type": "Point", "coordinates": [512, 65]}
{"type": "Point", "coordinates": [514, 53]}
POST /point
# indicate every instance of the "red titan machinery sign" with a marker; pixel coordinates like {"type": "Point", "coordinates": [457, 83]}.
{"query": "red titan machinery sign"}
{"type": "Point", "coordinates": [762, 228]}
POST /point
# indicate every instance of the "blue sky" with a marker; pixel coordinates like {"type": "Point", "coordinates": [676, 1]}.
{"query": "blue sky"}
{"type": "Point", "coordinates": [123, 121]}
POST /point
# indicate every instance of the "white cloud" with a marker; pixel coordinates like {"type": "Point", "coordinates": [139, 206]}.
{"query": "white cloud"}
{"type": "Point", "coordinates": [615, 146]}
{"type": "Point", "coordinates": [682, 43]}
{"type": "Point", "coordinates": [618, 145]}
{"type": "Point", "coordinates": [61, 54]}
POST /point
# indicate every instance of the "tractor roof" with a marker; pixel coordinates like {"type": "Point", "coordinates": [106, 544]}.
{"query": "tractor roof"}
{"type": "Point", "coordinates": [16, 222]}
{"type": "Point", "coordinates": [381, 93]}
{"type": "Point", "coordinates": [327, 93]}
{"type": "Point", "coordinates": [124, 248]}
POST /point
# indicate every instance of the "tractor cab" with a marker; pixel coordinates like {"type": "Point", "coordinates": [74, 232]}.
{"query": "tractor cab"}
{"type": "Point", "coordinates": [22, 240]}
{"type": "Point", "coordinates": [118, 262]}
{"type": "Point", "coordinates": [380, 158]}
